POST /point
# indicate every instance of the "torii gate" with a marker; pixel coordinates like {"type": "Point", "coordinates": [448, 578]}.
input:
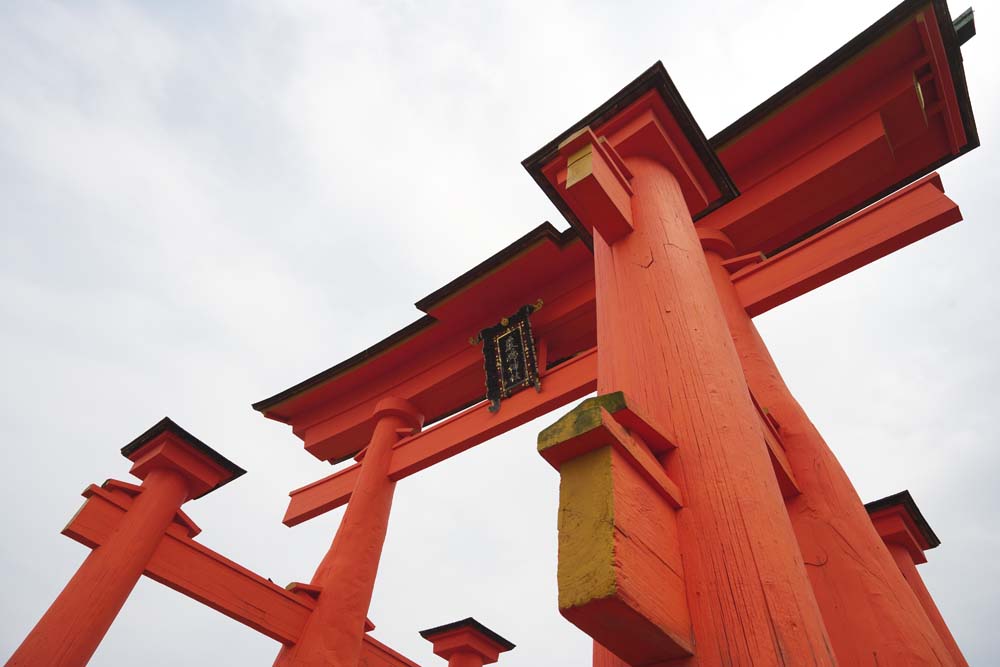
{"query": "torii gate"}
{"type": "Point", "coordinates": [703, 520]}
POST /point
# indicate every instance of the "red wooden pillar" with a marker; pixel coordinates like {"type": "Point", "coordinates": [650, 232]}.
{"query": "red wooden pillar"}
{"type": "Point", "coordinates": [906, 533]}
{"type": "Point", "coordinates": [467, 643]}
{"type": "Point", "coordinates": [335, 630]}
{"type": "Point", "coordinates": [868, 608]}
{"type": "Point", "coordinates": [174, 467]}
{"type": "Point", "coordinates": [664, 342]}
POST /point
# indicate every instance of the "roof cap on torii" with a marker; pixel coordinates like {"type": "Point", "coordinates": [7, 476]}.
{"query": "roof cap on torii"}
{"type": "Point", "coordinates": [647, 117]}
{"type": "Point", "coordinates": [884, 110]}
{"type": "Point", "coordinates": [898, 519]}
{"type": "Point", "coordinates": [467, 635]}
{"type": "Point", "coordinates": [167, 445]}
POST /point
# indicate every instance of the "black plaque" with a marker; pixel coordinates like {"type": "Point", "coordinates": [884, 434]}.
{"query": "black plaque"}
{"type": "Point", "coordinates": [509, 356]}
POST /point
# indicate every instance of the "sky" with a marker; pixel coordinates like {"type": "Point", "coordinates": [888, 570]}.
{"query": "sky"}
{"type": "Point", "coordinates": [202, 204]}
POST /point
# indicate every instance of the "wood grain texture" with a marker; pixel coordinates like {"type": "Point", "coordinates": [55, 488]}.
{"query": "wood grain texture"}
{"type": "Point", "coordinates": [872, 616]}
{"type": "Point", "coordinates": [664, 342]}
{"type": "Point", "coordinates": [620, 574]}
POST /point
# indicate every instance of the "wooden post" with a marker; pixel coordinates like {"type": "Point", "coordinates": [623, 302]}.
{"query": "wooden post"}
{"type": "Point", "coordinates": [902, 527]}
{"type": "Point", "coordinates": [870, 612]}
{"type": "Point", "coordinates": [335, 630]}
{"type": "Point", "coordinates": [467, 643]}
{"type": "Point", "coordinates": [664, 342]}
{"type": "Point", "coordinates": [174, 466]}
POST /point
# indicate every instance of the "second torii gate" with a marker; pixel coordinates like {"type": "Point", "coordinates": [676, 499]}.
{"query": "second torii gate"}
{"type": "Point", "coordinates": [702, 516]}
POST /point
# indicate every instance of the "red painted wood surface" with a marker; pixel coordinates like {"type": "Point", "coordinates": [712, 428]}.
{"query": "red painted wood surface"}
{"type": "Point", "coordinates": [566, 382]}
{"type": "Point", "coordinates": [664, 342]}
{"type": "Point", "coordinates": [909, 569]}
{"type": "Point", "coordinates": [617, 534]}
{"type": "Point", "coordinates": [905, 217]}
{"type": "Point", "coordinates": [334, 632]}
{"type": "Point", "coordinates": [73, 627]}
{"type": "Point", "coordinates": [436, 368]}
{"type": "Point", "coordinates": [907, 543]}
{"type": "Point", "coordinates": [922, 128]}
{"type": "Point", "coordinates": [871, 615]}
{"type": "Point", "coordinates": [198, 572]}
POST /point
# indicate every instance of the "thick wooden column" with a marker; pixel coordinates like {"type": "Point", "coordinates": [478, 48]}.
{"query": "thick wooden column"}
{"type": "Point", "coordinates": [871, 614]}
{"type": "Point", "coordinates": [345, 578]}
{"type": "Point", "coordinates": [663, 340]}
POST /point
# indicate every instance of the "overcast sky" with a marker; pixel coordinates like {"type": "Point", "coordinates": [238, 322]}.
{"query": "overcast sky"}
{"type": "Point", "coordinates": [204, 203]}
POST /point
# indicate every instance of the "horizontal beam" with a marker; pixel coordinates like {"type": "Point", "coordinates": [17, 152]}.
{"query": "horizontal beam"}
{"type": "Point", "coordinates": [448, 374]}
{"type": "Point", "coordinates": [187, 567]}
{"type": "Point", "coordinates": [907, 216]}
{"type": "Point", "coordinates": [807, 192]}
{"type": "Point", "coordinates": [566, 382]}
{"type": "Point", "coordinates": [198, 572]}
{"type": "Point", "coordinates": [893, 223]}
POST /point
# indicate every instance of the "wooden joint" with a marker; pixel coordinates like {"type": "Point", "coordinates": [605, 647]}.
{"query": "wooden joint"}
{"type": "Point", "coordinates": [587, 415]}
{"type": "Point", "coordinates": [305, 591]}
{"type": "Point", "coordinates": [591, 427]}
{"type": "Point", "coordinates": [714, 240]}
{"type": "Point", "coordinates": [776, 451]}
{"type": "Point", "coordinates": [620, 573]}
{"type": "Point", "coordinates": [596, 186]}
{"type": "Point", "coordinates": [738, 263]}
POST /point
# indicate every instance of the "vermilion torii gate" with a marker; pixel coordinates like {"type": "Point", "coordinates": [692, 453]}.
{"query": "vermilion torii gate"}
{"type": "Point", "coordinates": [703, 520]}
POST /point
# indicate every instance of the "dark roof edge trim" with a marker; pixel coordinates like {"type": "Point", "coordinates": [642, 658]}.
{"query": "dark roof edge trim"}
{"type": "Point", "coordinates": [408, 331]}
{"type": "Point", "coordinates": [539, 233]}
{"type": "Point", "coordinates": [467, 623]}
{"type": "Point", "coordinates": [544, 231]}
{"type": "Point", "coordinates": [654, 78]}
{"type": "Point", "coordinates": [898, 15]}
{"type": "Point", "coordinates": [904, 499]}
{"type": "Point", "coordinates": [168, 425]}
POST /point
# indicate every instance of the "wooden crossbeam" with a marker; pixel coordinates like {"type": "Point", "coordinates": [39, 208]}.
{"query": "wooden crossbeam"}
{"type": "Point", "coordinates": [449, 374]}
{"type": "Point", "coordinates": [198, 572]}
{"type": "Point", "coordinates": [907, 216]}
{"type": "Point", "coordinates": [809, 191]}
{"type": "Point", "coordinates": [566, 382]}
{"type": "Point", "coordinates": [898, 220]}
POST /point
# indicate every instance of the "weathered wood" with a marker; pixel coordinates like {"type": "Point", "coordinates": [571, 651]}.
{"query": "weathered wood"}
{"type": "Point", "coordinates": [617, 536]}
{"type": "Point", "coordinates": [595, 424]}
{"type": "Point", "coordinates": [663, 340]}
{"type": "Point", "coordinates": [845, 559]}
{"type": "Point", "coordinates": [566, 382]}
{"type": "Point", "coordinates": [897, 221]}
